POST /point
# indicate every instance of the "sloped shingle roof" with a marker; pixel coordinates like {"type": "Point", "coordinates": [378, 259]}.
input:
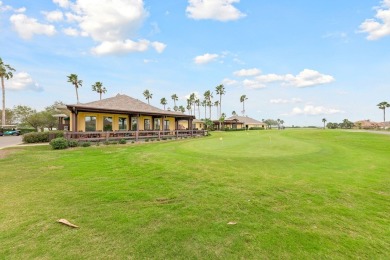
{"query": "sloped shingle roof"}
{"type": "Point", "coordinates": [124, 103]}
{"type": "Point", "coordinates": [246, 120]}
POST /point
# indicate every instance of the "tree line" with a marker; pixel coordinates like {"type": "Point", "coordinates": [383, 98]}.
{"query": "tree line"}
{"type": "Point", "coordinates": [27, 117]}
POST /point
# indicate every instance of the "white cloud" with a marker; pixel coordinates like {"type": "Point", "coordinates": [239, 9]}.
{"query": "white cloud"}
{"type": "Point", "coordinates": [380, 26]}
{"type": "Point", "coordinates": [118, 47]}
{"type": "Point", "coordinates": [54, 16]}
{"type": "Point", "coordinates": [253, 84]}
{"type": "Point", "coordinates": [62, 3]}
{"type": "Point", "coordinates": [221, 10]}
{"type": "Point", "coordinates": [23, 81]}
{"type": "Point", "coordinates": [71, 32]}
{"type": "Point", "coordinates": [285, 101]}
{"type": "Point", "coordinates": [111, 23]}
{"type": "Point", "coordinates": [4, 8]}
{"type": "Point", "coordinates": [308, 78]}
{"type": "Point", "coordinates": [247, 72]}
{"type": "Point", "coordinates": [26, 27]}
{"type": "Point", "coordinates": [159, 46]}
{"type": "Point", "coordinates": [110, 20]}
{"type": "Point", "coordinates": [205, 58]}
{"type": "Point", "coordinates": [315, 110]}
{"type": "Point", "coordinates": [229, 82]}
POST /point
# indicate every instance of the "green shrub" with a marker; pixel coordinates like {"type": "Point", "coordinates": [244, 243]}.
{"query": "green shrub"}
{"type": "Point", "coordinates": [86, 144]}
{"type": "Point", "coordinates": [106, 142]}
{"type": "Point", "coordinates": [59, 143]}
{"type": "Point", "coordinates": [122, 141]}
{"type": "Point", "coordinates": [41, 137]}
{"type": "Point", "coordinates": [256, 128]}
{"type": "Point", "coordinates": [73, 143]}
{"type": "Point", "coordinates": [114, 142]}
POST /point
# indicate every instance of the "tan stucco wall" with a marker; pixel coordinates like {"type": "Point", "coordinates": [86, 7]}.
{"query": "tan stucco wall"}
{"type": "Point", "coordinates": [99, 120]}
{"type": "Point", "coordinates": [115, 121]}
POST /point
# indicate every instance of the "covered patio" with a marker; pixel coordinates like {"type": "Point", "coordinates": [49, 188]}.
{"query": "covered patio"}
{"type": "Point", "coordinates": [123, 117]}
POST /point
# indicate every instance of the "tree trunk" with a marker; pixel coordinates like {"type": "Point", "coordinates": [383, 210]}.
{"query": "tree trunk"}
{"type": "Point", "coordinates": [77, 94]}
{"type": "Point", "coordinates": [210, 112]}
{"type": "Point", "coordinates": [220, 105]}
{"type": "Point", "coordinates": [3, 111]}
{"type": "Point", "coordinates": [100, 96]}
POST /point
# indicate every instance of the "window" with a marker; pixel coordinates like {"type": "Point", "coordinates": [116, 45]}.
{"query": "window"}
{"type": "Point", "coordinates": [134, 121]}
{"type": "Point", "coordinates": [157, 124]}
{"type": "Point", "coordinates": [166, 124]}
{"type": "Point", "coordinates": [122, 123]}
{"type": "Point", "coordinates": [90, 123]}
{"type": "Point", "coordinates": [107, 123]}
{"type": "Point", "coordinates": [147, 124]}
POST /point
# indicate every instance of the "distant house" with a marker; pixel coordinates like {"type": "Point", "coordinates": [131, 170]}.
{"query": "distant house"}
{"type": "Point", "coordinates": [123, 113]}
{"type": "Point", "coordinates": [367, 124]}
{"type": "Point", "coordinates": [228, 123]}
{"type": "Point", "coordinates": [247, 122]}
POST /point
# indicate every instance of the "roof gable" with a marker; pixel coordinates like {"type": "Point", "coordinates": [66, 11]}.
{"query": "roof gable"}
{"type": "Point", "coordinates": [246, 120]}
{"type": "Point", "coordinates": [123, 103]}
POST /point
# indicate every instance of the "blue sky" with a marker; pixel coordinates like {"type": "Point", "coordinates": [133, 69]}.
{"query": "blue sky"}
{"type": "Point", "coordinates": [299, 61]}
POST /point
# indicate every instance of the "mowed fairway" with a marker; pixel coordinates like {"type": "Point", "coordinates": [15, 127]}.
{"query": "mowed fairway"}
{"type": "Point", "coordinates": [290, 194]}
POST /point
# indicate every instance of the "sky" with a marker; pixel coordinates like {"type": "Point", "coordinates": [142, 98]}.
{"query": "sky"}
{"type": "Point", "coordinates": [299, 61]}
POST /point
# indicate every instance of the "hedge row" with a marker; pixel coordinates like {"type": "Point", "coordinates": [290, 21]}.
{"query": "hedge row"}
{"type": "Point", "coordinates": [41, 137]}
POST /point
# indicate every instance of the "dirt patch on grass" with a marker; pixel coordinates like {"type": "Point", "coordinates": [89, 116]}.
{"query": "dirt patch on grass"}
{"type": "Point", "coordinates": [6, 153]}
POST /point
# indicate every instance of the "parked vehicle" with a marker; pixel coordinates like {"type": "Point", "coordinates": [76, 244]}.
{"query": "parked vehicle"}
{"type": "Point", "coordinates": [12, 132]}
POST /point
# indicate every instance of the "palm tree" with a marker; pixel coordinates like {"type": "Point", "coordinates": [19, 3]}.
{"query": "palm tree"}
{"type": "Point", "coordinates": [5, 73]}
{"type": "Point", "coordinates": [98, 87]}
{"type": "Point", "coordinates": [278, 121]}
{"type": "Point", "coordinates": [208, 95]}
{"type": "Point", "coordinates": [242, 99]}
{"type": "Point", "coordinates": [73, 79]}
{"type": "Point", "coordinates": [216, 104]}
{"type": "Point", "coordinates": [197, 103]}
{"type": "Point", "coordinates": [182, 109]}
{"type": "Point", "coordinates": [383, 105]}
{"type": "Point", "coordinates": [193, 98]}
{"type": "Point", "coordinates": [163, 102]}
{"type": "Point", "coordinates": [324, 121]}
{"type": "Point", "coordinates": [189, 105]}
{"type": "Point", "coordinates": [204, 104]}
{"type": "Point", "coordinates": [220, 90]}
{"type": "Point", "coordinates": [234, 113]}
{"type": "Point", "coordinates": [174, 98]}
{"type": "Point", "coordinates": [147, 95]}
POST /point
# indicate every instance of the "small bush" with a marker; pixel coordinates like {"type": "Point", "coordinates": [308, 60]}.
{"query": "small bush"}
{"type": "Point", "coordinates": [59, 143]}
{"type": "Point", "coordinates": [106, 142]}
{"type": "Point", "coordinates": [41, 137]}
{"type": "Point", "coordinates": [73, 143]}
{"type": "Point", "coordinates": [86, 144]}
{"type": "Point", "coordinates": [122, 141]}
{"type": "Point", "coordinates": [114, 142]}
{"type": "Point", "coordinates": [256, 128]}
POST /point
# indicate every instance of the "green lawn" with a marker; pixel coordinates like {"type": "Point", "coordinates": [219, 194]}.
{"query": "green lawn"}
{"type": "Point", "coordinates": [293, 194]}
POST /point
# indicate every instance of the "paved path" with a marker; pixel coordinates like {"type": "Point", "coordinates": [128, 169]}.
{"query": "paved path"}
{"type": "Point", "coordinates": [6, 141]}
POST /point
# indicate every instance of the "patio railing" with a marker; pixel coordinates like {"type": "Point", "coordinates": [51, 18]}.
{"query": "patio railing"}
{"type": "Point", "coordinates": [132, 135]}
